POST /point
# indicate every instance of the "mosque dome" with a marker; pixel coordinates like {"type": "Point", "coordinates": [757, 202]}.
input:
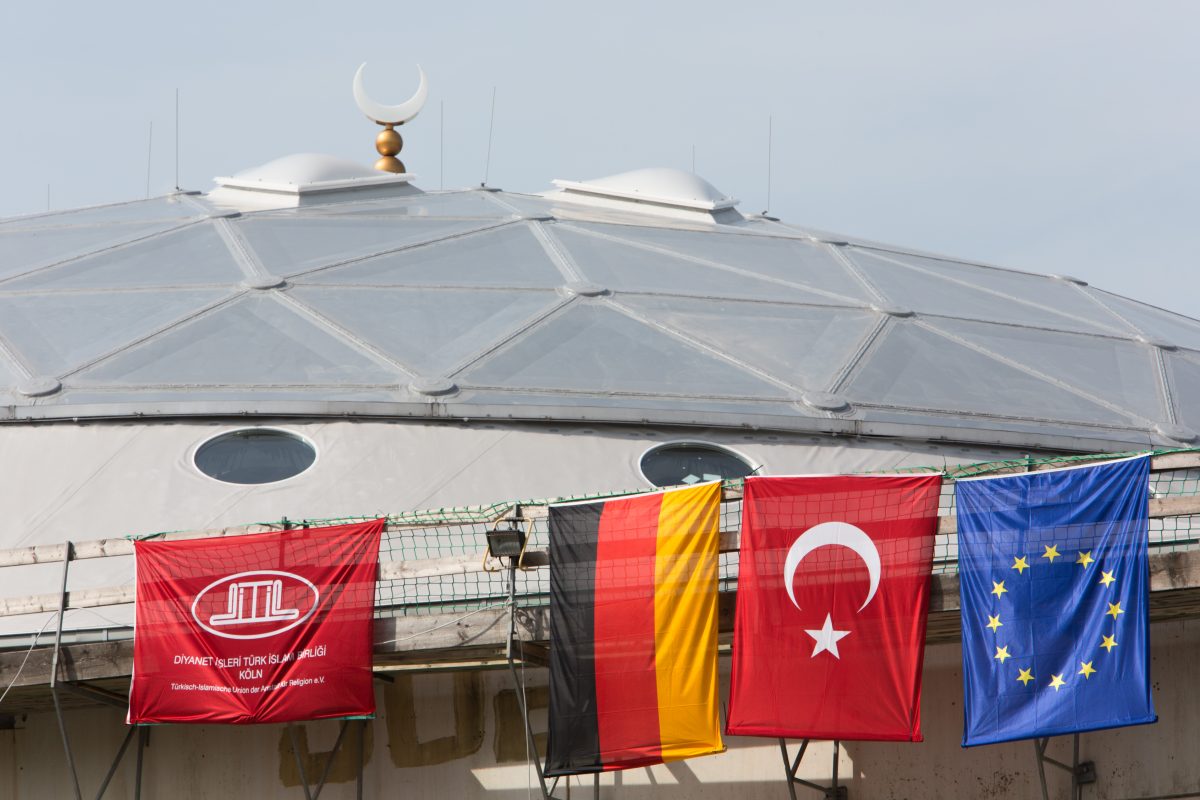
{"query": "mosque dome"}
{"type": "Point", "coordinates": [641, 297]}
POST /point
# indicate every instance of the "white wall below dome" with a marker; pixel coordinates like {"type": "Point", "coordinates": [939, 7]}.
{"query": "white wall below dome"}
{"type": "Point", "coordinates": [90, 481]}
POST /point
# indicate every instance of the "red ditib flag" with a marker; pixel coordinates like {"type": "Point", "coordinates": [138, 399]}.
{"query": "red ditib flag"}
{"type": "Point", "coordinates": [270, 627]}
{"type": "Point", "coordinates": [833, 596]}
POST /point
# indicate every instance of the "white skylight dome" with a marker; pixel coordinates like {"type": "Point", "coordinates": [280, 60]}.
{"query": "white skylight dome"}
{"type": "Point", "coordinates": [303, 168]}
{"type": "Point", "coordinates": [661, 190]}
{"type": "Point", "coordinates": [286, 179]}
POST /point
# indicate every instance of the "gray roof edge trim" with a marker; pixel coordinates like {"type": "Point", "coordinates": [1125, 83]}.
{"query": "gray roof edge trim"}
{"type": "Point", "coordinates": [1069, 438]}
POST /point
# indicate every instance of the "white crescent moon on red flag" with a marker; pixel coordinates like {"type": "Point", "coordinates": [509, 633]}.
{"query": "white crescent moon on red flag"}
{"type": "Point", "coordinates": [390, 115]}
{"type": "Point", "coordinates": [825, 534]}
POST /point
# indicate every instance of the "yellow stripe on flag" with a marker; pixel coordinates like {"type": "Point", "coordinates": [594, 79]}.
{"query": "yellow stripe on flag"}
{"type": "Point", "coordinates": [685, 621]}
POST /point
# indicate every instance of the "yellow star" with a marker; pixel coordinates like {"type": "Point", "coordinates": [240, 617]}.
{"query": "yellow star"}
{"type": "Point", "coordinates": [1109, 642]}
{"type": "Point", "coordinates": [1026, 676]}
{"type": "Point", "coordinates": [994, 622]}
{"type": "Point", "coordinates": [1086, 669]}
{"type": "Point", "coordinates": [1084, 558]}
{"type": "Point", "coordinates": [1108, 577]}
{"type": "Point", "coordinates": [1114, 609]}
{"type": "Point", "coordinates": [1051, 552]}
{"type": "Point", "coordinates": [998, 588]}
{"type": "Point", "coordinates": [1020, 564]}
{"type": "Point", "coordinates": [1056, 681]}
{"type": "Point", "coordinates": [1002, 653]}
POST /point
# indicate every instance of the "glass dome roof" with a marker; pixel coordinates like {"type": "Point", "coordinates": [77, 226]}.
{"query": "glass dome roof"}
{"type": "Point", "coordinates": [166, 307]}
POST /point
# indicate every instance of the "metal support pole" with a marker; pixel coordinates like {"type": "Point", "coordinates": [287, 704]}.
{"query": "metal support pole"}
{"type": "Point", "coordinates": [112, 769]}
{"type": "Point", "coordinates": [62, 722]}
{"type": "Point", "coordinates": [836, 748]}
{"type": "Point", "coordinates": [362, 756]}
{"type": "Point", "coordinates": [337, 745]}
{"type": "Point", "coordinates": [299, 761]}
{"type": "Point", "coordinates": [1076, 789]}
{"type": "Point", "coordinates": [143, 740]}
{"type": "Point", "coordinates": [835, 792]}
{"type": "Point", "coordinates": [1039, 748]}
{"type": "Point", "coordinates": [512, 668]}
{"type": "Point", "coordinates": [791, 767]}
{"type": "Point", "coordinates": [1081, 773]}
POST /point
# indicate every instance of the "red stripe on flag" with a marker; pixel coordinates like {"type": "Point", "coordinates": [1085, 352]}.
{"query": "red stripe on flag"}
{"type": "Point", "coordinates": [626, 683]}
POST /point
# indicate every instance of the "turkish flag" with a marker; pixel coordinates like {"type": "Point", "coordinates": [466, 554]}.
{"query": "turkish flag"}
{"type": "Point", "coordinates": [833, 596]}
{"type": "Point", "coordinates": [270, 627]}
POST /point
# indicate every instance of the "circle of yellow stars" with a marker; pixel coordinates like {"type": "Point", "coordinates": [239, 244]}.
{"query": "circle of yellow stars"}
{"type": "Point", "coordinates": [1107, 578]}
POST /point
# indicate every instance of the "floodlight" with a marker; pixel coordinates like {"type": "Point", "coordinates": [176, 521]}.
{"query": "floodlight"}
{"type": "Point", "coordinates": [506, 542]}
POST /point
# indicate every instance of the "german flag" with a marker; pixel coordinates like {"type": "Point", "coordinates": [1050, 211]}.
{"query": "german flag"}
{"type": "Point", "coordinates": [633, 631]}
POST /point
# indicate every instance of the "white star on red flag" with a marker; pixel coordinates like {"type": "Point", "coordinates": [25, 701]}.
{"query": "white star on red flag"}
{"type": "Point", "coordinates": [827, 638]}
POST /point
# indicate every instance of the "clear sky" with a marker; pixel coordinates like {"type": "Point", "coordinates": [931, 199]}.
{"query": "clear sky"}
{"type": "Point", "coordinates": [1055, 137]}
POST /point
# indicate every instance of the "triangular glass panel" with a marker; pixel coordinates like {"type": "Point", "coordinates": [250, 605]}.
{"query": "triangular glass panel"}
{"type": "Point", "coordinates": [253, 341]}
{"type": "Point", "coordinates": [429, 204]}
{"type": "Point", "coordinates": [804, 346]}
{"type": "Point", "coordinates": [593, 349]}
{"type": "Point", "coordinates": [8, 375]}
{"type": "Point", "coordinates": [627, 268]}
{"type": "Point", "coordinates": [57, 333]}
{"type": "Point", "coordinates": [193, 256]}
{"type": "Point", "coordinates": [810, 264]}
{"type": "Point", "coordinates": [1156, 323]}
{"type": "Point", "coordinates": [1185, 376]}
{"type": "Point", "coordinates": [1040, 289]}
{"type": "Point", "coordinates": [289, 245]}
{"type": "Point", "coordinates": [430, 330]}
{"type": "Point", "coordinates": [1123, 373]}
{"type": "Point", "coordinates": [927, 294]}
{"type": "Point", "coordinates": [506, 256]}
{"type": "Point", "coordinates": [915, 368]}
{"type": "Point", "coordinates": [531, 205]}
{"type": "Point", "coordinates": [171, 207]}
{"type": "Point", "coordinates": [25, 250]}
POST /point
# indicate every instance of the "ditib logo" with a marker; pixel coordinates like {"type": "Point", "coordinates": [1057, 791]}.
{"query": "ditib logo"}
{"type": "Point", "coordinates": [255, 605]}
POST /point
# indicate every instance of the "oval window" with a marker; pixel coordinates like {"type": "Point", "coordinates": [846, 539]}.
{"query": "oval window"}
{"type": "Point", "coordinates": [692, 462]}
{"type": "Point", "coordinates": [254, 455]}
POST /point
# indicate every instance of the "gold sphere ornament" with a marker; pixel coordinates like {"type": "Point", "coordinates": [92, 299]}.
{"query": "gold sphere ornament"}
{"type": "Point", "coordinates": [390, 164]}
{"type": "Point", "coordinates": [388, 142]}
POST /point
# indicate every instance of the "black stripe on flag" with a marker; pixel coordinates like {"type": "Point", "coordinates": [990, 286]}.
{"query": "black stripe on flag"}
{"type": "Point", "coordinates": [574, 734]}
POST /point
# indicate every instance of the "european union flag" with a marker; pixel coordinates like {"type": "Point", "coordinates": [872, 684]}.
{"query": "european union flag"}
{"type": "Point", "coordinates": [1055, 588]}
